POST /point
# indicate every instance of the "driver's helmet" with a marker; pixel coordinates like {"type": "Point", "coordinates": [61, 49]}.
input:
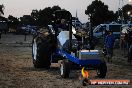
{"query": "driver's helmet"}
{"type": "Point", "coordinates": [63, 21]}
{"type": "Point", "coordinates": [62, 25]}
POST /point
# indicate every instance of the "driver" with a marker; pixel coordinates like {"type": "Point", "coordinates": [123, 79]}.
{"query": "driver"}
{"type": "Point", "coordinates": [62, 25]}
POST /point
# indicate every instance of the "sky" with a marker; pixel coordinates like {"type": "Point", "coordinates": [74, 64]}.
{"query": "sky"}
{"type": "Point", "coordinates": [18, 8]}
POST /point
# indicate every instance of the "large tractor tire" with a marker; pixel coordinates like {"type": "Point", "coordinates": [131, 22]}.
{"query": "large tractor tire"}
{"type": "Point", "coordinates": [102, 70]}
{"type": "Point", "coordinates": [42, 49]}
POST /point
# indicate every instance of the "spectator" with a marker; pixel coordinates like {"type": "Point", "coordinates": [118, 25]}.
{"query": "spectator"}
{"type": "Point", "coordinates": [109, 43]}
{"type": "Point", "coordinates": [0, 34]}
{"type": "Point", "coordinates": [129, 41]}
{"type": "Point", "coordinates": [105, 33]}
{"type": "Point", "coordinates": [129, 37]}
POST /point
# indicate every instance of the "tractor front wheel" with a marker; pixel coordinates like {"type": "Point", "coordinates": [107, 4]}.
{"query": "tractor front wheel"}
{"type": "Point", "coordinates": [102, 70]}
{"type": "Point", "coordinates": [64, 69]}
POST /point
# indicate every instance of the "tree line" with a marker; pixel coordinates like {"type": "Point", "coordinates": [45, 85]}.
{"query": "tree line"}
{"type": "Point", "coordinates": [97, 13]}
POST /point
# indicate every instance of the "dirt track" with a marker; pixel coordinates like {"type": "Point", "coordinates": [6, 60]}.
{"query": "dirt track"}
{"type": "Point", "coordinates": [17, 71]}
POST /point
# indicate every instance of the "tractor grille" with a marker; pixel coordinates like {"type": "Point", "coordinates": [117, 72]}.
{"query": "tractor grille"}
{"type": "Point", "coordinates": [88, 54]}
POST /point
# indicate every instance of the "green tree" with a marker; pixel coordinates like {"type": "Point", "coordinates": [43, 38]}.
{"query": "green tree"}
{"type": "Point", "coordinates": [1, 9]}
{"type": "Point", "coordinates": [127, 11]}
{"type": "Point", "coordinates": [54, 8]}
{"type": "Point", "coordinates": [13, 21]}
{"type": "Point", "coordinates": [45, 16]}
{"type": "Point", "coordinates": [35, 14]}
{"type": "Point", "coordinates": [98, 13]}
{"type": "Point", "coordinates": [27, 20]}
{"type": "Point", "coordinates": [11, 18]}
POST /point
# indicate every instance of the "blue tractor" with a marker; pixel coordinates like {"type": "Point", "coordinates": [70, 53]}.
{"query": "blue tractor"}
{"type": "Point", "coordinates": [57, 42]}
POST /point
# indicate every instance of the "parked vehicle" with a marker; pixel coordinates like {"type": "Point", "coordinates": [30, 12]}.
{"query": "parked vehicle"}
{"type": "Point", "coordinates": [3, 26]}
{"type": "Point", "coordinates": [119, 31]}
{"type": "Point", "coordinates": [26, 29]}
{"type": "Point", "coordinates": [100, 29]}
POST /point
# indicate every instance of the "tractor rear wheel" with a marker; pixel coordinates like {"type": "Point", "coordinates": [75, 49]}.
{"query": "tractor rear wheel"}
{"type": "Point", "coordinates": [42, 50]}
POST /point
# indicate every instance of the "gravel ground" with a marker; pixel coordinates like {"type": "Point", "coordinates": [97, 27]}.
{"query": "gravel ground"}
{"type": "Point", "coordinates": [17, 71]}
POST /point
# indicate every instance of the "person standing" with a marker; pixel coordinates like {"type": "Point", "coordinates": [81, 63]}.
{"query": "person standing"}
{"type": "Point", "coordinates": [0, 34]}
{"type": "Point", "coordinates": [109, 43]}
{"type": "Point", "coordinates": [129, 41]}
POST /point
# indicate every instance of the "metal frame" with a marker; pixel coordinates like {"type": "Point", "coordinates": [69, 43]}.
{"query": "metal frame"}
{"type": "Point", "coordinates": [77, 60]}
{"type": "Point", "coordinates": [68, 56]}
